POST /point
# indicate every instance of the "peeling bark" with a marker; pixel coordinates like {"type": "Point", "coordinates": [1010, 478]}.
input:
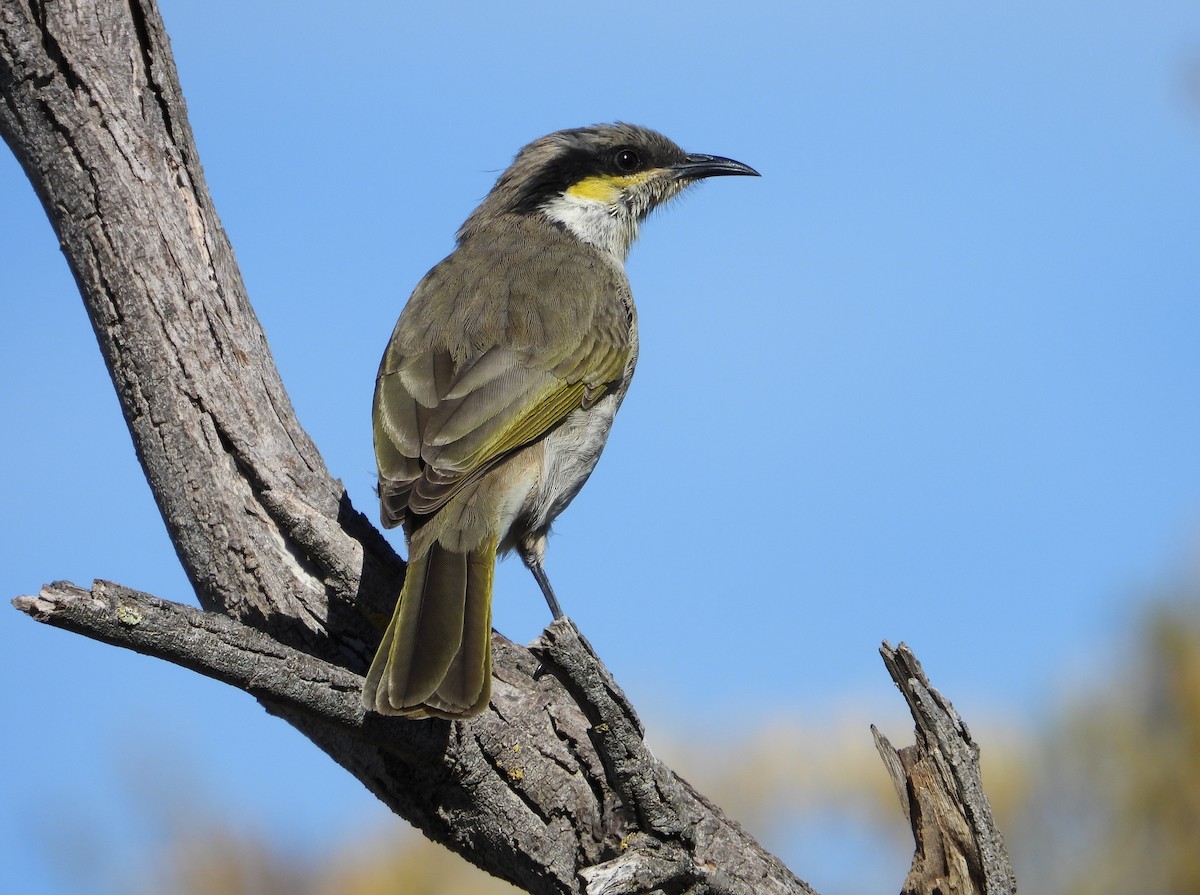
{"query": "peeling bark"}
{"type": "Point", "coordinates": [959, 849]}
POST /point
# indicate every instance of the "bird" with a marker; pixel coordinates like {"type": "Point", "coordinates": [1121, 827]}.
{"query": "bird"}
{"type": "Point", "coordinates": [497, 390]}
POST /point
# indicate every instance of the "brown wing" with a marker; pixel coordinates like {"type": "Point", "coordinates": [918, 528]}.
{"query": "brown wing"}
{"type": "Point", "coordinates": [488, 357]}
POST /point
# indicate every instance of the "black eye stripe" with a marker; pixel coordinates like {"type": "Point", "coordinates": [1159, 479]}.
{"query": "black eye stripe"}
{"type": "Point", "coordinates": [578, 160]}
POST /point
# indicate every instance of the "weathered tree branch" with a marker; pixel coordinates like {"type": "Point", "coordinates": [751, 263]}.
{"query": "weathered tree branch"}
{"type": "Point", "coordinates": [559, 762]}
{"type": "Point", "coordinates": [959, 848]}
{"type": "Point", "coordinates": [93, 111]}
{"type": "Point", "coordinates": [553, 788]}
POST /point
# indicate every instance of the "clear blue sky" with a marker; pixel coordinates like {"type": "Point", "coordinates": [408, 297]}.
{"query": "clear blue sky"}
{"type": "Point", "coordinates": [935, 377]}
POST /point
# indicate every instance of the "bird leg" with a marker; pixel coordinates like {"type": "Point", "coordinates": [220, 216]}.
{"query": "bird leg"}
{"type": "Point", "coordinates": [539, 575]}
{"type": "Point", "coordinates": [532, 552]}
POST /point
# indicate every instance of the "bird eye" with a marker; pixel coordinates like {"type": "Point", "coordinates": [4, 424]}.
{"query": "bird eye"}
{"type": "Point", "coordinates": [627, 159]}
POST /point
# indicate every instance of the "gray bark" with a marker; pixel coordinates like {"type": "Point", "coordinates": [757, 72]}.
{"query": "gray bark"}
{"type": "Point", "coordinates": [553, 788]}
{"type": "Point", "coordinates": [959, 847]}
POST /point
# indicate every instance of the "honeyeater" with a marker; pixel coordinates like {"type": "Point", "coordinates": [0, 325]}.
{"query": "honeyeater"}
{"type": "Point", "coordinates": [497, 390]}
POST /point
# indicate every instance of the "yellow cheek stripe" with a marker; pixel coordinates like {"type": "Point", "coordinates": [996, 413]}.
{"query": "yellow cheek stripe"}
{"type": "Point", "coordinates": [606, 188]}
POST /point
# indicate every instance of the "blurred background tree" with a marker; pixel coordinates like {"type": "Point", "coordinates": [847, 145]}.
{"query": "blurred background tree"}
{"type": "Point", "coordinates": [1115, 805]}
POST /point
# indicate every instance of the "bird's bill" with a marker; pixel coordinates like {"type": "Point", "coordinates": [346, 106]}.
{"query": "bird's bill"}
{"type": "Point", "coordinates": [697, 166]}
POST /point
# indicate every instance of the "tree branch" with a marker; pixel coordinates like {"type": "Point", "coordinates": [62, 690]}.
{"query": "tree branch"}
{"type": "Point", "coordinates": [263, 531]}
{"type": "Point", "coordinates": [553, 788]}
{"type": "Point", "coordinates": [206, 642]}
{"type": "Point", "coordinates": [959, 848]}
{"type": "Point", "coordinates": [533, 769]}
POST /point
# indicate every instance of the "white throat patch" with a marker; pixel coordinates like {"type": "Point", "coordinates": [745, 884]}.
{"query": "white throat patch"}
{"type": "Point", "coordinates": [611, 228]}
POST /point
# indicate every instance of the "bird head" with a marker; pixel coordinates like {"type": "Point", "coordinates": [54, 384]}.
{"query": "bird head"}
{"type": "Point", "coordinates": [599, 182]}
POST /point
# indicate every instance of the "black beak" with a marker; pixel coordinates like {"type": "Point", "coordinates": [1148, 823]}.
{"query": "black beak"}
{"type": "Point", "coordinates": [697, 166]}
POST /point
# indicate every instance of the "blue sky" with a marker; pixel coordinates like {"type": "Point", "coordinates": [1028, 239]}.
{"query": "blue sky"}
{"type": "Point", "coordinates": [934, 377]}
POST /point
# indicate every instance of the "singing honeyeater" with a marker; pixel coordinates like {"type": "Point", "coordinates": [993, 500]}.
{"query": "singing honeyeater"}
{"type": "Point", "coordinates": [497, 390]}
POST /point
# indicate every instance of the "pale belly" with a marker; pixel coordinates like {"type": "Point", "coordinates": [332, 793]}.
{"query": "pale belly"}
{"type": "Point", "coordinates": [569, 454]}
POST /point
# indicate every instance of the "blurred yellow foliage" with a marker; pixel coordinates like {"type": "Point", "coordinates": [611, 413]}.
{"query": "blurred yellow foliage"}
{"type": "Point", "coordinates": [1117, 804]}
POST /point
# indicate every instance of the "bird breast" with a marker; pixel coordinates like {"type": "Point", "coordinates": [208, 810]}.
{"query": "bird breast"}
{"type": "Point", "coordinates": [570, 452]}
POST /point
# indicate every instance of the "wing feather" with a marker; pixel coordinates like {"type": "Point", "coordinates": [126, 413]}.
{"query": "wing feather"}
{"type": "Point", "coordinates": [465, 383]}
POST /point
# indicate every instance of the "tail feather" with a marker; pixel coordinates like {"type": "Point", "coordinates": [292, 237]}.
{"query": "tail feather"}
{"type": "Point", "coordinates": [466, 685]}
{"type": "Point", "coordinates": [435, 658]}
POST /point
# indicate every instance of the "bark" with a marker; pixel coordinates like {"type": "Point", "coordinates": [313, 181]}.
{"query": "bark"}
{"type": "Point", "coordinates": [959, 848]}
{"type": "Point", "coordinates": [553, 788]}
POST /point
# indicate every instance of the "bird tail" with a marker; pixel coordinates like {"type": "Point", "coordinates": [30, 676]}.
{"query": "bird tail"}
{"type": "Point", "coordinates": [436, 656]}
